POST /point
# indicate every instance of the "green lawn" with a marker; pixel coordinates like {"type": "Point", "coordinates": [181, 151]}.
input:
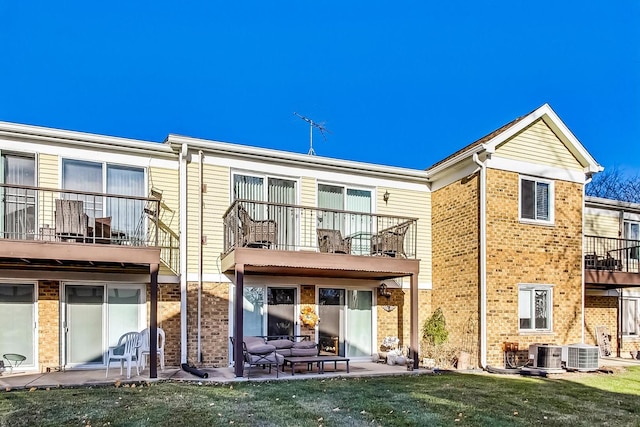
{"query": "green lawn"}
{"type": "Point", "coordinates": [443, 399]}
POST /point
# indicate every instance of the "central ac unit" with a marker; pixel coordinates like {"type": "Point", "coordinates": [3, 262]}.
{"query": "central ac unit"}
{"type": "Point", "coordinates": [546, 356]}
{"type": "Point", "coordinates": [581, 357]}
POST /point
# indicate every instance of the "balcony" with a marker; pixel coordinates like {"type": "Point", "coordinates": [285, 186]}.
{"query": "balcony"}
{"type": "Point", "coordinates": [277, 238]}
{"type": "Point", "coordinates": [41, 226]}
{"type": "Point", "coordinates": [611, 262]}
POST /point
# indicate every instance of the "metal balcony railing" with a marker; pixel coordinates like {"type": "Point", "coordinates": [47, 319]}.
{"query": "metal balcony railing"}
{"type": "Point", "coordinates": [606, 253]}
{"type": "Point", "coordinates": [56, 215]}
{"type": "Point", "coordinates": [284, 227]}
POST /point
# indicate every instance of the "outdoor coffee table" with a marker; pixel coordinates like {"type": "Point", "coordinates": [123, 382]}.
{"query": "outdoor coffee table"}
{"type": "Point", "coordinates": [310, 360]}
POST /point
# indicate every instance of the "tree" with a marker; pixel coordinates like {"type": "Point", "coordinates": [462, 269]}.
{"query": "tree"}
{"type": "Point", "coordinates": [614, 184]}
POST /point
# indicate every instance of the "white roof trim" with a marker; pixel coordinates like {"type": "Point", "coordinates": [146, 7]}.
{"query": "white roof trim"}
{"type": "Point", "coordinates": [80, 138]}
{"type": "Point", "coordinates": [299, 160]}
{"type": "Point", "coordinates": [545, 113]}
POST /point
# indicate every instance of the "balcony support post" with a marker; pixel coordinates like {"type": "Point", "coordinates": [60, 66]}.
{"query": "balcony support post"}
{"type": "Point", "coordinates": [153, 320]}
{"type": "Point", "coordinates": [238, 322]}
{"type": "Point", "coordinates": [414, 330]}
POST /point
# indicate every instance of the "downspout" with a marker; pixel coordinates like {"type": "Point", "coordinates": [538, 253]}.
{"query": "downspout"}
{"type": "Point", "coordinates": [582, 263]}
{"type": "Point", "coordinates": [184, 152]}
{"type": "Point", "coordinates": [200, 251]}
{"type": "Point", "coordinates": [483, 260]}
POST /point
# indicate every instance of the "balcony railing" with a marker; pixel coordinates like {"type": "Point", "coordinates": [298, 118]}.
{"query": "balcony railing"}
{"type": "Point", "coordinates": [284, 227]}
{"type": "Point", "coordinates": [55, 215]}
{"type": "Point", "coordinates": [606, 253]}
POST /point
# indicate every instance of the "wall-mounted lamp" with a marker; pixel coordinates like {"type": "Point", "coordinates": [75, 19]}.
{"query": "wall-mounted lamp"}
{"type": "Point", "coordinates": [385, 197]}
{"type": "Point", "coordinates": [384, 292]}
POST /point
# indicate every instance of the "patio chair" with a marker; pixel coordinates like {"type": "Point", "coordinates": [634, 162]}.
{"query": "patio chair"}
{"type": "Point", "coordinates": [257, 233]}
{"type": "Point", "coordinates": [332, 241]}
{"type": "Point", "coordinates": [390, 241]}
{"type": "Point", "coordinates": [126, 350]}
{"type": "Point", "coordinates": [71, 221]}
{"type": "Point", "coordinates": [257, 352]}
{"type": "Point", "coordinates": [144, 350]}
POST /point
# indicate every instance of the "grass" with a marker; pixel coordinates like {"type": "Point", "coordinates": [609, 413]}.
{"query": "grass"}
{"type": "Point", "coordinates": [444, 399]}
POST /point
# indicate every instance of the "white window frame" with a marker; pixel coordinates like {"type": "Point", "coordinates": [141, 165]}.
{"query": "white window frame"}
{"type": "Point", "coordinates": [551, 200]}
{"type": "Point", "coordinates": [532, 288]}
{"type": "Point", "coordinates": [635, 302]}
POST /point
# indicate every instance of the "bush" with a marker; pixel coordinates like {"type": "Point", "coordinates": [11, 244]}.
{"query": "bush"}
{"type": "Point", "coordinates": [435, 335]}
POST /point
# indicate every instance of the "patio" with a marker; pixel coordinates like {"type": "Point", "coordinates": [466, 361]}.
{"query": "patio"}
{"type": "Point", "coordinates": [94, 377]}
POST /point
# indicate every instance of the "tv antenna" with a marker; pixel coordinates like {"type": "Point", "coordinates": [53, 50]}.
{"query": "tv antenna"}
{"type": "Point", "coordinates": [312, 124]}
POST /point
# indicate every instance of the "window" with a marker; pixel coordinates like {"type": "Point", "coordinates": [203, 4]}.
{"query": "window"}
{"type": "Point", "coordinates": [630, 319]}
{"type": "Point", "coordinates": [632, 232]}
{"type": "Point", "coordinates": [536, 200]}
{"type": "Point", "coordinates": [17, 331]}
{"type": "Point", "coordinates": [280, 194]}
{"type": "Point", "coordinates": [18, 206]}
{"type": "Point", "coordinates": [92, 177]}
{"type": "Point", "coordinates": [534, 307]}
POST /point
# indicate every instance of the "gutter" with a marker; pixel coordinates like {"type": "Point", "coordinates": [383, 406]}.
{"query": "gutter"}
{"type": "Point", "coordinates": [483, 260]}
{"type": "Point", "coordinates": [184, 152]}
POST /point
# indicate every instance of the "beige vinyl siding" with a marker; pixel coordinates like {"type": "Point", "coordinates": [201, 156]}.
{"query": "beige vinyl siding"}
{"type": "Point", "coordinates": [309, 198]}
{"type": "Point", "coordinates": [412, 204]}
{"type": "Point", "coordinates": [538, 144]}
{"type": "Point", "coordinates": [167, 181]}
{"type": "Point", "coordinates": [215, 203]}
{"type": "Point", "coordinates": [601, 223]}
{"type": "Point", "coordinates": [48, 173]}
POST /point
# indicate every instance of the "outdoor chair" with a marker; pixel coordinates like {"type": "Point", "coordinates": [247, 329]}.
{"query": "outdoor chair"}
{"type": "Point", "coordinates": [257, 352]}
{"type": "Point", "coordinates": [390, 241]}
{"type": "Point", "coordinates": [71, 221]}
{"type": "Point", "coordinates": [331, 241]}
{"type": "Point", "coordinates": [145, 351]}
{"type": "Point", "coordinates": [257, 233]}
{"type": "Point", "coordinates": [126, 350]}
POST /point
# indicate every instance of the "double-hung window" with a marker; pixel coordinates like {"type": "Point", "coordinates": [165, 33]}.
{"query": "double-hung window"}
{"type": "Point", "coordinates": [534, 307]}
{"type": "Point", "coordinates": [536, 200]}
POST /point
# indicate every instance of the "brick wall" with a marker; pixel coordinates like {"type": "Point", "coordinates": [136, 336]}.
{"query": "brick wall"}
{"type": "Point", "coordinates": [600, 311]}
{"type": "Point", "coordinates": [214, 324]}
{"type": "Point", "coordinates": [533, 254]}
{"type": "Point", "coordinates": [455, 224]}
{"type": "Point", "coordinates": [168, 320]}
{"type": "Point", "coordinates": [397, 323]}
{"type": "Point", "coordinates": [48, 324]}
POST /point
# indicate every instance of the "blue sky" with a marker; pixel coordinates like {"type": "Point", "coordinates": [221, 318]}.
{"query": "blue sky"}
{"type": "Point", "coordinates": [399, 83]}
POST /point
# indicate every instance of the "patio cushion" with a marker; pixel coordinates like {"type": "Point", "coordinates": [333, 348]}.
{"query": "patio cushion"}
{"type": "Point", "coordinates": [280, 344]}
{"type": "Point", "coordinates": [304, 344]}
{"type": "Point", "coordinates": [260, 348]}
{"type": "Point", "coordinates": [304, 352]}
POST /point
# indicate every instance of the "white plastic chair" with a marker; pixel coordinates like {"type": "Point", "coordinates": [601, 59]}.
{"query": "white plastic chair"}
{"type": "Point", "coordinates": [144, 350]}
{"type": "Point", "coordinates": [126, 350]}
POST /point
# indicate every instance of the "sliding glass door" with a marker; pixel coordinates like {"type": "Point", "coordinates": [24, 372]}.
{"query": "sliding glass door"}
{"type": "Point", "coordinates": [280, 194]}
{"type": "Point", "coordinates": [346, 326]}
{"type": "Point", "coordinates": [96, 315]}
{"type": "Point", "coordinates": [18, 216]}
{"type": "Point", "coordinates": [17, 320]}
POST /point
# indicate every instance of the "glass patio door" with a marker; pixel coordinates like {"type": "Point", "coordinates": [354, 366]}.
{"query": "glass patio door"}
{"type": "Point", "coordinates": [281, 311]}
{"type": "Point", "coordinates": [346, 326]}
{"type": "Point", "coordinates": [359, 323]}
{"type": "Point", "coordinates": [96, 316]}
{"type": "Point", "coordinates": [18, 216]}
{"type": "Point", "coordinates": [84, 324]}
{"type": "Point", "coordinates": [17, 320]}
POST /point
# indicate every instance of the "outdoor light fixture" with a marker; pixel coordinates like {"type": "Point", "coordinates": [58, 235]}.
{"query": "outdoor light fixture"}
{"type": "Point", "coordinates": [383, 292]}
{"type": "Point", "coordinates": [385, 197]}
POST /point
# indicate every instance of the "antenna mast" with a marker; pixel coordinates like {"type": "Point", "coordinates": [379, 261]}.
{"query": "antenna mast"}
{"type": "Point", "coordinates": [312, 124]}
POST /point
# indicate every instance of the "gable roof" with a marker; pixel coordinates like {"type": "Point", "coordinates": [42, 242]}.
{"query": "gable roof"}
{"type": "Point", "coordinates": [489, 142]}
